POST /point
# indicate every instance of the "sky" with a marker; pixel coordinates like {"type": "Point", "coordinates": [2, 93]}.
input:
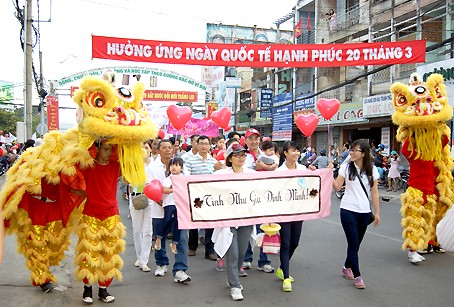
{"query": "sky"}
{"type": "Point", "coordinates": [66, 40]}
{"type": "Point", "coordinates": [67, 26]}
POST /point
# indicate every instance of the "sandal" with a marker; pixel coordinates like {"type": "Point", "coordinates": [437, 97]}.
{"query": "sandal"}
{"type": "Point", "coordinates": [389, 190]}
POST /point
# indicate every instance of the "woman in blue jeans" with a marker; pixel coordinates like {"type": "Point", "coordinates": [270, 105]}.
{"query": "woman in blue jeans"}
{"type": "Point", "coordinates": [290, 232]}
{"type": "Point", "coordinates": [355, 209]}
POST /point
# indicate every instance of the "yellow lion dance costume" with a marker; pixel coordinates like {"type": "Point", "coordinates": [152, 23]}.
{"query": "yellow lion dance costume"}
{"type": "Point", "coordinates": [421, 112]}
{"type": "Point", "coordinates": [43, 198]}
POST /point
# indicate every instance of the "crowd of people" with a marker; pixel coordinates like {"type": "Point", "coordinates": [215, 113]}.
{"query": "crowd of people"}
{"type": "Point", "coordinates": [360, 171]}
{"type": "Point", "coordinates": [238, 154]}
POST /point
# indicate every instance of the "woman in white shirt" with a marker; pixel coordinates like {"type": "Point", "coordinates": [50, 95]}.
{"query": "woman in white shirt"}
{"type": "Point", "coordinates": [355, 209]}
{"type": "Point", "coordinates": [235, 158]}
{"type": "Point", "coordinates": [290, 232]}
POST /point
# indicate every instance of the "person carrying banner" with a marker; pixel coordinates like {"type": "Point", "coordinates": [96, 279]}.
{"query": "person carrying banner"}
{"type": "Point", "coordinates": [252, 139]}
{"type": "Point", "coordinates": [159, 170]}
{"type": "Point", "coordinates": [235, 158]}
{"type": "Point", "coordinates": [290, 232]}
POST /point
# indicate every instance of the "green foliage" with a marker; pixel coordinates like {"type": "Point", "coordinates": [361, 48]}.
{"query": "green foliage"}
{"type": "Point", "coordinates": [9, 118]}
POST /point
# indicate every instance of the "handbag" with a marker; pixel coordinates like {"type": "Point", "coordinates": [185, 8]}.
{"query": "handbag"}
{"type": "Point", "coordinates": [271, 244]}
{"type": "Point", "coordinates": [372, 216]}
{"type": "Point", "coordinates": [140, 202]}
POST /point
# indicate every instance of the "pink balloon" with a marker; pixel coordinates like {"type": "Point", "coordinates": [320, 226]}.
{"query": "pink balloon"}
{"type": "Point", "coordinates": [179, 116]}
{"type": "Point", "coordinates": [328, 107]}
{"type": "Point", "coordinates": [307, 123]}
{"type": "Point", "coordinates": [227, 128]}
{"type": "Point", "coordinates": [153, 190]}
{"type": "Point", "coordinates": [221, 117]}
{"type": "Point", "coordinates": [161, 133]}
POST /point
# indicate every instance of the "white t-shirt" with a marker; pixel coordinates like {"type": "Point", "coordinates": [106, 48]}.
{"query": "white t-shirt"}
{"type": "Point", "coordinates": [156, 170]}
{"type": "Point", "coordinates": [354, 198]}
{"type": "Point", "coordinates": [167, 199]}
{"type": "Point", "coordinates": [250, 161]}
{"type": "Point", "coordinates": [229, 170]}
{"type": "Point", "coordinates": [284, 167]}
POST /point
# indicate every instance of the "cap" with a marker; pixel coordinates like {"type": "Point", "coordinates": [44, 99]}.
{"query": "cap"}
{"type": "Point", "coordinates": [234, 148]}
{"type": "Point", "coordinates": [251, 131]}
{"type": "Point", "coordinates": [381, 146]}
{"type": "Point", "coordinates": [394, 152]}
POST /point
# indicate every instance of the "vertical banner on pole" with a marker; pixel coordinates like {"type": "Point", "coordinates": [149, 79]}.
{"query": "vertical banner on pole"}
{"type": "Point", "coordinates": [52, 112]}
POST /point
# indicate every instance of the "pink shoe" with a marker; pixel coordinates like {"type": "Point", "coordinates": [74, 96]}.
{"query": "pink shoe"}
{"type": "Point", "coordinates": [359, 283]}
{"type": "Point", "coordinates": [348, 273]}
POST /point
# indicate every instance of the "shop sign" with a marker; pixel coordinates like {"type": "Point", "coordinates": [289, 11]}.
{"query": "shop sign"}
{"type": "Point", "coordinates": [378, 106]}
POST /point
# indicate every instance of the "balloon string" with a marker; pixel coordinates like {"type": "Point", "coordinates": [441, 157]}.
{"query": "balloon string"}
{"type": "Point", "coordinates": [329, 140]}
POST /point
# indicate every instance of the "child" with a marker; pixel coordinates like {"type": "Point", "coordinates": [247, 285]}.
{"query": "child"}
{"type": "Point", "coordinates": [220, 145]}
{"type": "Point", "coordinates": [170, 210]}
{"type": "Point", "coordinates": [270, 149]}
{"type": "Point", "coordinates": [394, 173]}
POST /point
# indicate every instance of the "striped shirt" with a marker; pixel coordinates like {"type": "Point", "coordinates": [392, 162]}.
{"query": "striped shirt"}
{"type": "Point", "coordinates": [196, 165]}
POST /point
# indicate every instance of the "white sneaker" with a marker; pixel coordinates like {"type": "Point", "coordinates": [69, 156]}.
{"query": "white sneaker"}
{"type": "Point", "coordinates": [421, 257]}
{"type": "Point", "coordinates": [414, 257]}
{"type": "Point", "coordinates": [247, 265]}
{"type": "Point", "coordinates": [266, 268]}
{"type": "Point", "coordinates": [137, 264]}
{"type": "Point", "coordinates": [145, 268]}
{"type": "Point", "coordinates": [160, 270]}
{"type": "Point", "coordinates": [181, 276]}
{"type": "Point", "coordinates": [236, 294]}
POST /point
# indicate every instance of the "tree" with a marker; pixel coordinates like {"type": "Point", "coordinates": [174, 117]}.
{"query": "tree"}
{"type": "Point", "coordinates": [9, 118]}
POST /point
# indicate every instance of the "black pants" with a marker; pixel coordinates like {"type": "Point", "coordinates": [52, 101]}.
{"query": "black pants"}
{"type": "Point", "coordinates": [193, 241]}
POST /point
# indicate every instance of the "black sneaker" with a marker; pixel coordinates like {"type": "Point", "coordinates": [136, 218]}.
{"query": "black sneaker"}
{"type": "Point", "coordinates": [47, 287]}
{"type": "Point", "coordinates": [438, 249]}
{"type": "Point", "coordinates": [87, 297]}
{"type": "Point", "coordinates": [428, 250]}
{"type": "Point", "coordinates": [105, 296]}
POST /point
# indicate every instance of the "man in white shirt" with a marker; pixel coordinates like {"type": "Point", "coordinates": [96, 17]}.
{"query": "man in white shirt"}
{"type": "Point", "coordinates": [180, 266]}
{"type": "Point", "coordinates": [202, 163]}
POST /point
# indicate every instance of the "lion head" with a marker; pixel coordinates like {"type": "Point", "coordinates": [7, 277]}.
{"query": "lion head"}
{"type": "Point", "coordinates": [115, 114]}
{"type": "Point", "coordinates": [419, 104]}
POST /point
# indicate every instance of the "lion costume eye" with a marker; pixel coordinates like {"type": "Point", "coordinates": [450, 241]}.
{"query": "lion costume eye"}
{"type": "Point", "coordinates": [96, 99]}
{"type": "Point", "coordinates": [400, 100]}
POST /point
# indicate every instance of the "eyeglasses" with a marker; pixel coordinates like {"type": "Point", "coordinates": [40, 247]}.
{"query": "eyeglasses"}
{"type": "Point", "coordinates": [204, 144]}
{"type": "Point", "coordinates": [239, 155]}
{"type": "Point", "coordinates": [356, 150]}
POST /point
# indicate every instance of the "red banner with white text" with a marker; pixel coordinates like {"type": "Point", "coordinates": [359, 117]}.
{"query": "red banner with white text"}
{"type": "Point", "coordinates": [247, 55]}
{"type": "Point", "coordinates": [52, 113]}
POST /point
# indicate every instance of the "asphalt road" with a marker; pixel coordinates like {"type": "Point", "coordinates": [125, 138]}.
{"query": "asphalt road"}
{"type": "Point", "coordinates": [391, 280]}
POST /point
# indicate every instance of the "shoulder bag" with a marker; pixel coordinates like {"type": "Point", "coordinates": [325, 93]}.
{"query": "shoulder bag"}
{"type": "Point", "coordinates": [372, 216]}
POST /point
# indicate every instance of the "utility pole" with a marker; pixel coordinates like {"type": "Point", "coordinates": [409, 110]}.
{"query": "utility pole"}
{"type": "Point", "coordinates": [41, 91]}
{"type": "Point", "coordinates": [28, 70]}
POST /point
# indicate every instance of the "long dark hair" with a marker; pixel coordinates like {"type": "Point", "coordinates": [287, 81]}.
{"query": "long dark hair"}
{"type": "Point", "coordinates": [285, 148]}
{"type": "Point", "coordinates": [174, 161]}
{"type": "Point", "coordinates": [367, 162]}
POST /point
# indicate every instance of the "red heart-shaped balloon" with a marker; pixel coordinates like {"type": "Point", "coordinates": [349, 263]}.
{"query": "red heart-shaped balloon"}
{"type": "Point", "coordinates": [179, 116]}
{"type": "Point", "coordinates": [227, 128]}
{"type": "Point", "coordinates": [153, 190]}
{"type": "Point", "coordinates": [221, 117]}
{"type": "Point", "coordinates": [161, 134]}
{"type": "Point", "coordinates": [328, 107]}
{"type": "Point", "coordinates": [307, 123]}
